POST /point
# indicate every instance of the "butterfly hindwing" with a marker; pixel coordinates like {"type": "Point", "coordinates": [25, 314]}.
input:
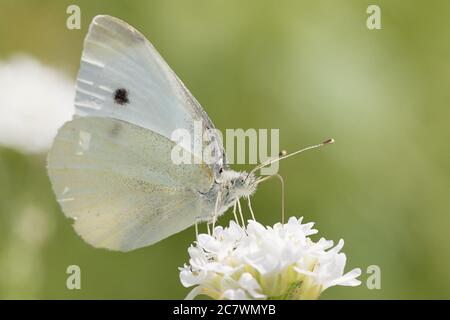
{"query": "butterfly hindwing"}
{"type": "Point", "coordinates": [118, 182]}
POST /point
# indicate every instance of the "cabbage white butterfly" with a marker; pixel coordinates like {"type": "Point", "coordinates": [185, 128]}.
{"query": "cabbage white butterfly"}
{"type": "Point", "coordinates": [110, 167]}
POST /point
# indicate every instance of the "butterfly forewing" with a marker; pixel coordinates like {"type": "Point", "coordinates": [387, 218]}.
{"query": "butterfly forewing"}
{"type": "Point", "coordinates": [122, 76]}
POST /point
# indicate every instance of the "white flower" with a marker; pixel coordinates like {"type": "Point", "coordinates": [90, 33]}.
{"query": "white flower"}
{"type": "Point", "coordinates": [279, 262]}
{"type": "Point", "coordinates": [35, 101]}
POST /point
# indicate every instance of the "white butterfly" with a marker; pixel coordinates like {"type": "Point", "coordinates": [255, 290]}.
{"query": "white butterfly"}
{"type": "Point", "coordinates": [111, 167]}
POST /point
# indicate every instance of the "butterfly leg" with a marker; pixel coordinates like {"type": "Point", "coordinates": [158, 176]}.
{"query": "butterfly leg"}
{"type": "Point", "coordinates": [240, 213]}
{"type": "Point", "coordinates": [196, 227]}
{"type": "Point", "coordinates": [216, 207]}
{"type": "Point", "coordinates": [234, 211]}
{"type": "Point", "coordinates": [250, 208]}
{"type": "Point", "coordinates": [197, 221]}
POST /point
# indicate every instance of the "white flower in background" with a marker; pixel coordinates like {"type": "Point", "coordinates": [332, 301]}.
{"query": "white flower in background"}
{"type": "Point", "coordinates": [279, 262]}
{"type": "Point", "coordinates": [35, 101]}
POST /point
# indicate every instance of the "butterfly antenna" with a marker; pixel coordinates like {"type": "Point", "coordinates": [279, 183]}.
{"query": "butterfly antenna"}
{"type": "Point", "coordinates": [283, 155]}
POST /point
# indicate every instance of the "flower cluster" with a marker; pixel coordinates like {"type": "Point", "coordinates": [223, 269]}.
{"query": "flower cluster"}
{"type": "Point", "coordinates": [255, 262]}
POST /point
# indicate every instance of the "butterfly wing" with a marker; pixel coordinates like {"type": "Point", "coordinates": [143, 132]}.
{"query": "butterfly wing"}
{"type": "Point", "coordinates": [118, 182]}
{"type": "Point", "coordinates": [122, 76]}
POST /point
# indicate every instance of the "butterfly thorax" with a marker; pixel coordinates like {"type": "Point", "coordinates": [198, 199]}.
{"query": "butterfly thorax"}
{"type": "Point", "coordinates": [227, 189]}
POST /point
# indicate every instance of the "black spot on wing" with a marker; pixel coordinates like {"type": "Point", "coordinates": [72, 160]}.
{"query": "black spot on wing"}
{"type": "Point", "coordinates": [121, 96]}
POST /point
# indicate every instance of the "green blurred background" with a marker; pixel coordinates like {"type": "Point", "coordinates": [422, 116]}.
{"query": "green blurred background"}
{"type": "Point", "coordinates": [310, 68]}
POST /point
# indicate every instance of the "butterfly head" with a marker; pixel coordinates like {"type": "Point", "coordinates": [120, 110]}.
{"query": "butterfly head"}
{"type": "Point", "coordinates": [245, 184]}
{"type": "Point", "coordinates": [239, 184]}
